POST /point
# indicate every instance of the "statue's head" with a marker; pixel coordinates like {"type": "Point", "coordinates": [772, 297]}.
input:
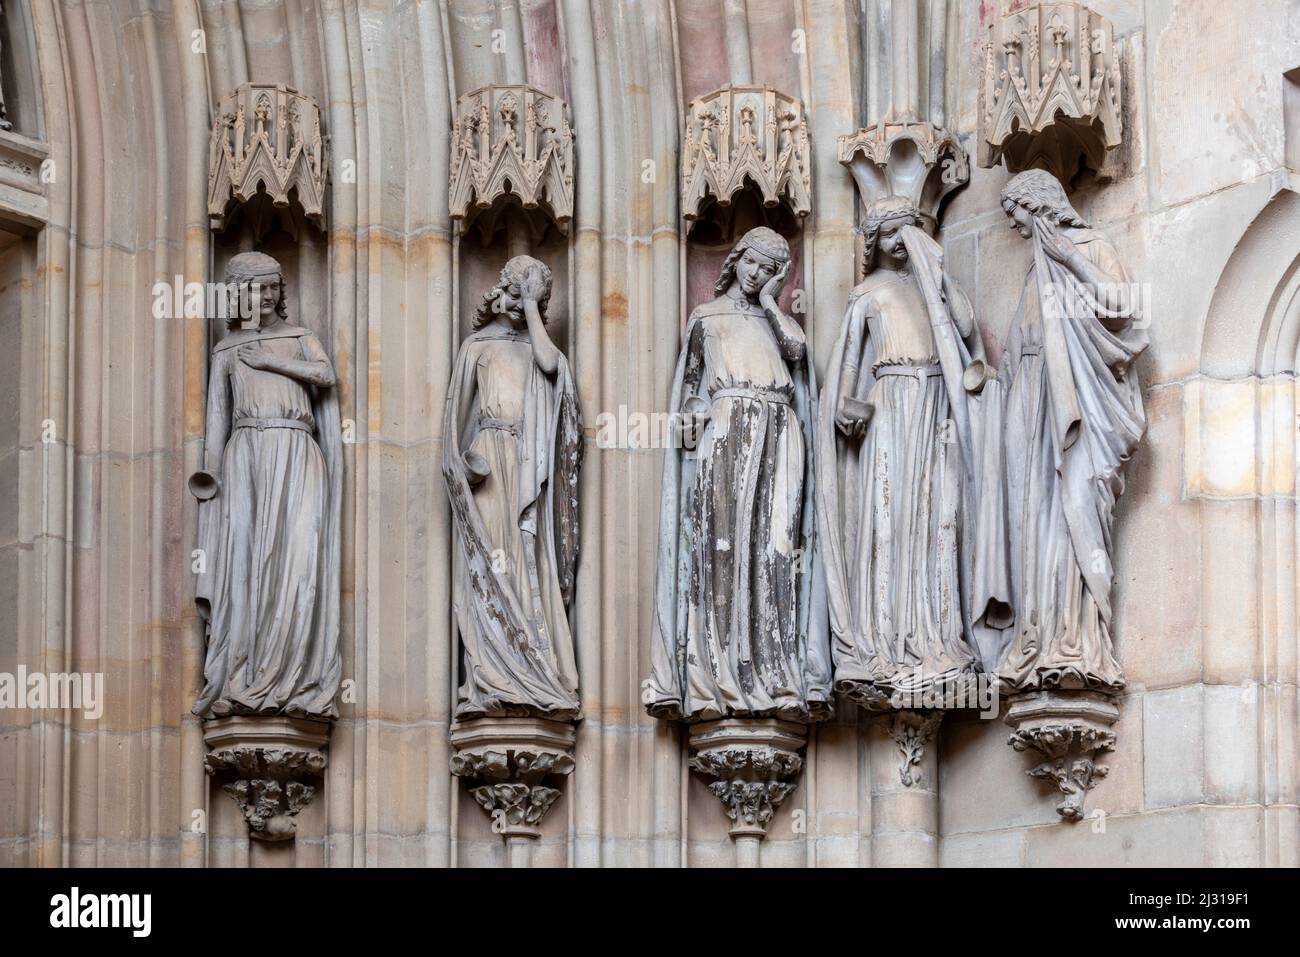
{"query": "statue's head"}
{"type": "Point", "coordinates": [880, 229]}
{"type": "Point", "coordinates": [258, 280]}
{"type": "Point", "coordinates": [1036, 193]}
{"type": "Point", "coordinates": [506, 297]}
{"type": "Point", "coordinates": [760, 255]}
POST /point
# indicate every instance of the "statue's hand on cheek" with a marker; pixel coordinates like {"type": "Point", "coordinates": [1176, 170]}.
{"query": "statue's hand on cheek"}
{"type": "Point", "coordinates": [772, 289]}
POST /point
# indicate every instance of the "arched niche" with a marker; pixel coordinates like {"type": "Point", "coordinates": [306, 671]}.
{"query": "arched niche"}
{"type": "Point", "coordinates": [1253, 324]}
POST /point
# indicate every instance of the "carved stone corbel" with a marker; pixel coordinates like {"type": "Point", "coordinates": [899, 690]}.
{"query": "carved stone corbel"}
{"type": "Point", "coordinates": [756, 764]}
{"type": "Point", "coordinates": [912, 731]}
{"type": "Point", "coordinates": [511, 147]}
{"type": "Point", "coordinates": [515, 767]}
{"type": "Point", "coordinates": [1068, 729]}
{"type": "Point", "coordinates": [743, 138]}
{"type": "Point", "coordinates": [1049, 96]}
{"type": "Point", "coordinates": [273, 759]}
{"type": "Point", "coordinates": [266, 142]}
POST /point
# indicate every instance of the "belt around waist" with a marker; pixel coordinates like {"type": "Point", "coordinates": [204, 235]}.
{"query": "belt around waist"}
{"type": "Point", "coordinates": [505, 425]}
{"type": "Point", "coordinates": [911, 371]}
{"type": "Point", "coordinates": [758, 395]}
{"type": "Point", "coordinates": [261, 424]}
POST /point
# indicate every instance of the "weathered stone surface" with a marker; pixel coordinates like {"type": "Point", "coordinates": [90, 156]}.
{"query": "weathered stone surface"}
{"type": "Point", "coordinates": [102, 410]}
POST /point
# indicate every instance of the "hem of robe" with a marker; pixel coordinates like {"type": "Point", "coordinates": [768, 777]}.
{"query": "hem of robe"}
{"type": "Point", "coordinates": [809, 713]}
{"type": "Point", "coordinates": [228, 708]}
{"type": "Point", "coordinates": [1046, 677]}
{"type": "Point", "coordinates": [515, 709]}
{"type": "Point", "coordinates": [874, 691]}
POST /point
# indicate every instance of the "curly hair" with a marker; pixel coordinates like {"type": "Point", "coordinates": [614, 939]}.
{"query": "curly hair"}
{"type": "Point", "coordinates": [512, 274]}
{"type": "Point", "coordinates": [1043, 195]}
{"type": "Point", "coordinates": [761, 239]}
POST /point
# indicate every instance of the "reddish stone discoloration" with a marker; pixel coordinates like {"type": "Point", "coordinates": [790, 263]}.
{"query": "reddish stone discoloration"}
{"type": "Point", "coordinates": [543, 52]}
{"type": "Point", "coordinates": [771, 41]}
{"type": "Point", "coordinates": [613, 308]}
{"type": "Point", "coordinates": [702, 33]}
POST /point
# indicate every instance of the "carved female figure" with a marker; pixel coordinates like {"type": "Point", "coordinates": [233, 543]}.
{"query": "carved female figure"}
{"type": "Point", "coordinates": [737, 629]}
{"type": "Point", "coordinates": [1074, 417]}
{"type": "Point", "coordinates": [269, 495]}
{"type": "Point", "coordinates": [900, 473]}
{"type": "Point", "coordinates": [512, 446]}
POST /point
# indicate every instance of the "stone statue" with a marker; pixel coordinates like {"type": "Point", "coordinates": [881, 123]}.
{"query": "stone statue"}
{"type": "Point", "coordinates": [1073, 418]}
{"type": "Point", "coordinates": [739, 630]}
{"type": "Point", "coordinates": [907, 488]}
{"type": "Point", "coordinates": [270, 495]}
{"type": "Point", "coordinates": [512, 447]}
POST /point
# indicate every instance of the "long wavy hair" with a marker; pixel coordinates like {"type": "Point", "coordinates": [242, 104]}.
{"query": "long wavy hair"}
{"type": "Point", "coordinates": [1043, 195]}
{"type": "Point", "coordinates": [512, 274]}
{"type": "Point", "coordinates": [762, 239]}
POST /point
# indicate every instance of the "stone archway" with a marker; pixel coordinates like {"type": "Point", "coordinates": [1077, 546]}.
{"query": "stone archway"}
{"type": "Point", "coordinates": [1241, 464]}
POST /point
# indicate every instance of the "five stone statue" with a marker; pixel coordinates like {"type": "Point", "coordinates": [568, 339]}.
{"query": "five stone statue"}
{"type": "Point", "coordinates": [512, 450]}
{"type": "Point", "coordinates": [907, 474]}
{"type": "Point", "coordinates": [739, 617]}
{"type": "Point", "coordinates": [1074, 417]}
{"type": "Point", "coordinates": [270, 495]}
{"type": "Point", "coordinates": [966, 518]}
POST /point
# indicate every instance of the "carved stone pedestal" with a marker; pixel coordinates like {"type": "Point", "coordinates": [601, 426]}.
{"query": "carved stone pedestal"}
{"type": "Point", "coordinates": [272, 758]}
{"type": "Point", "coordinates": [506, 762]}
{"type": "Point", "coordinates": [1068, 729]}
{"type": "Point", "coordinates": [756, 762]}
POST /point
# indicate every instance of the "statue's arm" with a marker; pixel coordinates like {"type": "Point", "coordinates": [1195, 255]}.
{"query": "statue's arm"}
{"type": "Point", "coordinates": [790, 339]}
{"type": "Point", "coordinates": [218, 424]}
{"type": "Point", "coordinates": [854, 344]}
{"type": "Point", "coordinates": [963, 317]}
{"type": "Point", "coordinates": [545, 354]}
{"type": "Point", "coordinates": [1105, 276]}
{"type": "Point", "coordinates": [693, 370]}
{"type": "Point", "coordinates": [465, 382]}
{"type": "Point", "coordinates": [316, 369]}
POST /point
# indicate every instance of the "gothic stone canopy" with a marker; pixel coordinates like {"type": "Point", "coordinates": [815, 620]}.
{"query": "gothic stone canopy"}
{"type": "Point", "coordinates": [742, 134]}
{"type": "Point", "coordinates": [1050, 91]}
{"type": "Point", "coordinates": [266, 137]}
{"type": "Point", "coordinates": [511, 141]}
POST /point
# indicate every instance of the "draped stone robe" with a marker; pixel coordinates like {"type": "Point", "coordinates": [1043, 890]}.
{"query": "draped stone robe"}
{"type": "Point", "coordinates": [739, 613]}
{"type": "Point", "coordinates": [516, 530]}
{"type": "Point", "coordinates": [270, 538]}
{"type": "Point", "coordinates": [909, 513]}
{"type": "Point", "coordinates": [1074, 417]}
